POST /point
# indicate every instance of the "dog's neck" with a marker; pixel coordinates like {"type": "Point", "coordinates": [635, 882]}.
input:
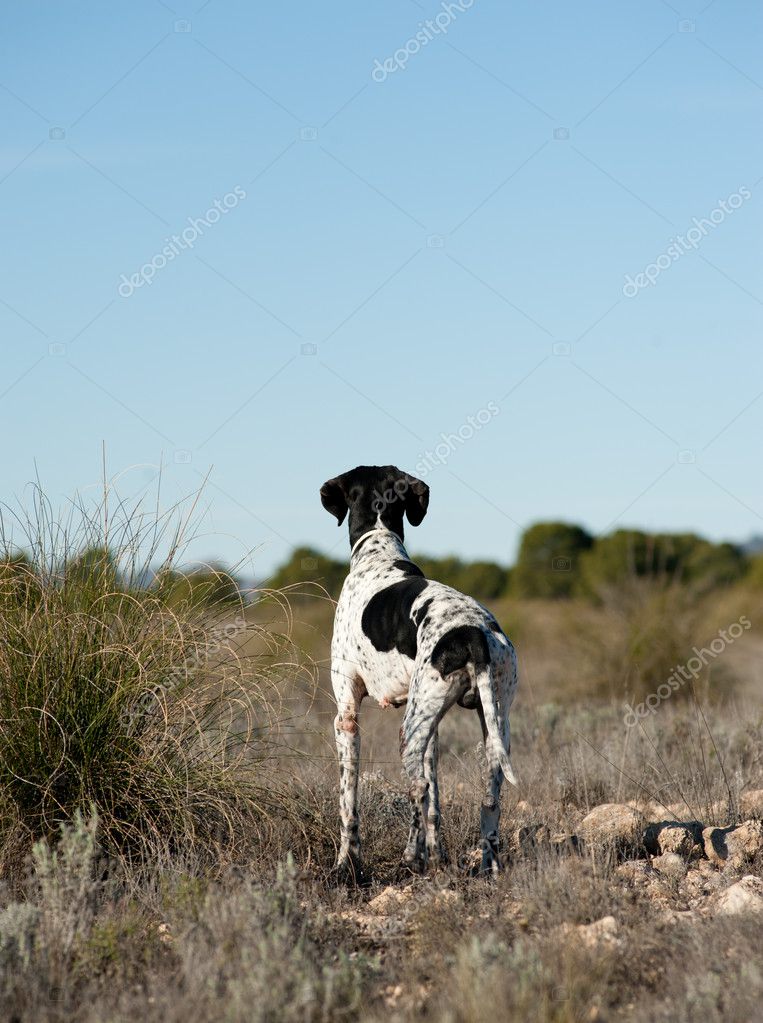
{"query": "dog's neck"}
{"type": "Point", "coordinates": [379, 543]}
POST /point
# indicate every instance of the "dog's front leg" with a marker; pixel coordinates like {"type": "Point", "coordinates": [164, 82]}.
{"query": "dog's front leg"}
{"type": "Point", "coordinates": [347, 734]}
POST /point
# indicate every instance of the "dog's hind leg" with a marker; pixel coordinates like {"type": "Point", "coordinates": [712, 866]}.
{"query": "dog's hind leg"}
{"type": "Point", "coordinates": [490, 810]}
{"type": "Point", "coordinates": [428, 701]}
{"type": "Point", "coordinates": [426, 833]}
{"type": "Point", "coordinates": [496, 694]}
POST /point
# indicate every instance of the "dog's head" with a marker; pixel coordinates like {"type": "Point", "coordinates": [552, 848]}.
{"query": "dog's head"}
{"type": "Point", "coordinates": [375, 495]}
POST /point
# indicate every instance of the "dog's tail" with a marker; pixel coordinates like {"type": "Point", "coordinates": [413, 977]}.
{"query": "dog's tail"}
{"type": "Point", "coordinates": [497, 756]}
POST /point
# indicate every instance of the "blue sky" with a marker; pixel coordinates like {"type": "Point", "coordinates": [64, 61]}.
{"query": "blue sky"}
{"type": "Point", "coordinates": [407, 252]}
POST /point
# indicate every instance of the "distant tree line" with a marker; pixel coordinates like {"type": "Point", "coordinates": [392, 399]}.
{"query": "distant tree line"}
{"type": "Point", "coordinates": [558, 560]}
{"type": "Point", "coordinates": [96, 569]}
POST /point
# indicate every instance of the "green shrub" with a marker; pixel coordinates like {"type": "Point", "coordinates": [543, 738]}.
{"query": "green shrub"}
{"type": "Point", "coordinates": [548, 564]}
{"type": "Point", "coordinates": [95, 569]}
{"type": "Point", "coordinates": [711, 565]}
{"type": "Point", "coordinates": [678, 557]}
{"type": "Point", "coordinates": [643, 629]}
{"type": "Point", "coordinates": [114, 698]}
{"type": "Point", "coordinates": [212, 585]}
{"type": "Point", "coordinates": [754, 576]}
{"type": "Point", "coordinates": [484, 580]}
{"type": "Point", "coordinates": [307, 565]}
{"type": "Point", "coordinates": [18, 584]}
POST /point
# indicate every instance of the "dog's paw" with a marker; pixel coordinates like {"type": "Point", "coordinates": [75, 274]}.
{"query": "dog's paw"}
{"type": "Point", "coordinates": [349, 873]}
{"type": "Point", "coordinates": [438, 858]}
{"type": "Point", "coordinates": [412, 866]}
{"type": "Point", "coordinates": [490, 864]}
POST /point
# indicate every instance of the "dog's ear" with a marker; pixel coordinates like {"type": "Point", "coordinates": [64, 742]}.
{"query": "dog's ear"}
{"type": "Point", "coordinates": [416, 499]}
{"type": "Point", "coordinates": [334, 498]}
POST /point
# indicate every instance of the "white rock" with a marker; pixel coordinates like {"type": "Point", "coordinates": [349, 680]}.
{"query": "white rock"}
{"type": "Point", "coordinates": [745, 843]}
{"type": "Point", "coordinates": [714, 842]}
{"type": "Point", "coordinates": [637, 871]}
{"type": "Point", "coordinates": [601, 933]}
{"type": "Point", "coordinates": [751, 803]}
{"type": "Point", "coordinates": [745, 896]}
{"type": "Point", "coordinates": [670, 865]}
{"type": "Point", "coordinates": [672, 837]}
{"type": "Point", "coordinates": [390, 899]}
{"type": "Point", "coordinates": [734, 845]}
{"type": "Point", "coordinates": [613, 824]}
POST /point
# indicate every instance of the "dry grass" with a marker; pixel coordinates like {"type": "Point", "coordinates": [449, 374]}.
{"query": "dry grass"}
{"type": "Point", "coordinates": [120, 696]}
{"type": "Point", "coordinates": [168, 857]}
{"type": "Point", "coordinates": [269, 940]}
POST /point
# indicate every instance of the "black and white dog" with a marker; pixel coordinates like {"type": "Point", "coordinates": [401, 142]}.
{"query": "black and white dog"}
{"type": "Point", "coordinates": [401, 638]}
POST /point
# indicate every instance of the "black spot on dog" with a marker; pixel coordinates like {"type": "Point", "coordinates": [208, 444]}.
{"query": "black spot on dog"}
{"type": "Point", "coordinates": [420, 614]}
{"type": "Point", "coordinates": [407, 567]}
{"type": "Point", "coordinates": [387, 617]}
{"type": "Point", "coordinates": [470, 700]}
{"type": "Point", "coordinates": [494, 625]}
{"type": "Point", "coordinates": [459, 647]}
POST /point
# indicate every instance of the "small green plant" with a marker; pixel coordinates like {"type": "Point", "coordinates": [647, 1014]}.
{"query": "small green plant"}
{"type": "Point", "coordinates": [64, 875]}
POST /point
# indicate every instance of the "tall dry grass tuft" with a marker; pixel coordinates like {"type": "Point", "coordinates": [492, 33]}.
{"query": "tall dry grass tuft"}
{"type": "Point", "coordinates": [115, 698]}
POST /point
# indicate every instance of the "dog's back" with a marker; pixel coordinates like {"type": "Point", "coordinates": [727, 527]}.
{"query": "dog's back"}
{"type": "Point", "coordinates": [390, 618]}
